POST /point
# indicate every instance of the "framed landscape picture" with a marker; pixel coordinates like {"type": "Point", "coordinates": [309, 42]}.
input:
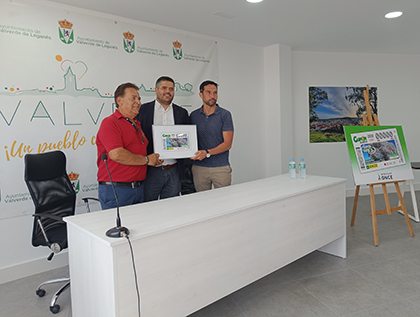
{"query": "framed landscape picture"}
{"type": "Point", "coordinates": [332, 108]}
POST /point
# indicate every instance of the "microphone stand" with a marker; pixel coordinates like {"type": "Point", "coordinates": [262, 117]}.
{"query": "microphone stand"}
{"type": "Point", "coordinates": [118, 231]}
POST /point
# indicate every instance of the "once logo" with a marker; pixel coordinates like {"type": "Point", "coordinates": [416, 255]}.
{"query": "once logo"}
{"type": "Point", "coordinates": [386, 177]}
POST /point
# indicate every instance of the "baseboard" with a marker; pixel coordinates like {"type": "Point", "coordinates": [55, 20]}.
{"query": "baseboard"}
{"type": "Point", "coordinates": [364, 190]}
{"type": "Point", "coordinates": [18, 271]}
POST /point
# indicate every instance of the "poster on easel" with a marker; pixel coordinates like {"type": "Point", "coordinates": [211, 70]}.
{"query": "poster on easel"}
{"type": "Point", "coordinates": [378, 154]}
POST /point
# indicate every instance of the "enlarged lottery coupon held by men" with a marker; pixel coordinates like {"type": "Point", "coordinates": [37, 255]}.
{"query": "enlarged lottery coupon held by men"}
{"type": "Point", "coordinates": [176, 142]}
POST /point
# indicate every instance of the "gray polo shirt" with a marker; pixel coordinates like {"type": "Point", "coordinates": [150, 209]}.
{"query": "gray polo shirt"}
{"type": "Point", "coordinates": [210, 134]}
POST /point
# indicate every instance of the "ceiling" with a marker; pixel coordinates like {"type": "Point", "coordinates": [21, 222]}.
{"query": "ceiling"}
{"type": "Point", "coordinates": [304, 25]}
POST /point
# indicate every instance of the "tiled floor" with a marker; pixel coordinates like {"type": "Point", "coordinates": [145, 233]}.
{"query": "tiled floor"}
{"type": "Point", "coordinates": [381, 281]}
{"type": "Point", "coordinates": [18, 298]}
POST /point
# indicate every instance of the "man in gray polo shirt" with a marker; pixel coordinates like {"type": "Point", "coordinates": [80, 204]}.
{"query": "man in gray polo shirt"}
{"type": "Point", "coordinates": [215, 136]}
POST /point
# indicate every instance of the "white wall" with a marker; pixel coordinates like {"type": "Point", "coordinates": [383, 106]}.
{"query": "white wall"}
{"type": "Point", "coordinates": [397, 79]}
{"type": "Point", "coordinates": [278, 111]}
{"type": "Point", "coordinates": [241, 79]}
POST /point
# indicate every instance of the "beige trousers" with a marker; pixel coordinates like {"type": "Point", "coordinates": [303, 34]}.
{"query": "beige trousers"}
{"type": "Point", "coordinates": [205, 177]}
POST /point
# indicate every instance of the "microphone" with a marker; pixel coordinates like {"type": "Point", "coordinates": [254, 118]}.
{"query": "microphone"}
{"type": "Point", "coordinates": [118, 231]}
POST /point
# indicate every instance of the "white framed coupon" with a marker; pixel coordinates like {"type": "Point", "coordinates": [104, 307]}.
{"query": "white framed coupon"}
{"type": "Point", "coordinates": [175, 141]}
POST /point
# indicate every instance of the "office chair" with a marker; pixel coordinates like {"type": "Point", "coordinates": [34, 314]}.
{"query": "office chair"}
{"type": "Point", "coordinates": [54, 198]}
{"type": "Point", "coordinates": [86, 201]}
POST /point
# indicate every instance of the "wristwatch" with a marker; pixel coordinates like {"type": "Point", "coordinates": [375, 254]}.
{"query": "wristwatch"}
{"type": "Point", "coordinates": [208, 154]}
{"type": "Point", "coordinates": [147, 160]}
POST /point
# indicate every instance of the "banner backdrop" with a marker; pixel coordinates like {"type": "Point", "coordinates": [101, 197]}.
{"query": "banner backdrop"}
{"type": "Point", "coordinates": [59, 71]}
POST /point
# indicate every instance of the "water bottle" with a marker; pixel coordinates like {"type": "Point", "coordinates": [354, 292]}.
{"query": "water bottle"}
{"type": "Point", "coordinates": [292, 169]}
{"type": "Point", "coordinates": [302, 169]}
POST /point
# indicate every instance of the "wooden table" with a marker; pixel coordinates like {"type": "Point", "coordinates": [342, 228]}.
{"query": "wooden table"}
{"type": "Point", "coordinates": [193, 250]}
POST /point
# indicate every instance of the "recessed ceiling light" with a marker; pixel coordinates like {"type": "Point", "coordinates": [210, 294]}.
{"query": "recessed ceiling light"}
{"type": "Point", "coordinates": [392, 15]}
{"type": "Point", "coordinates": [254, 1]}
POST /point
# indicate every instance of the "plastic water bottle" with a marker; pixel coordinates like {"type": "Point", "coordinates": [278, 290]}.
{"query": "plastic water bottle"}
{"type": "Point", "coordinates": [292, 169]}
{"type": "Point", "coordinates": [302, 169]}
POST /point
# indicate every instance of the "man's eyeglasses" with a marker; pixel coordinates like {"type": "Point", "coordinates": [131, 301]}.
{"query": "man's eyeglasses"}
{"type": "Point", "coordinates": [143, 139]}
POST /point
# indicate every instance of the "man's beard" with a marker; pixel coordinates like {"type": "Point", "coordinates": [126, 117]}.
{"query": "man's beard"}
{"type": "Point", "coordinates": [211, 102]}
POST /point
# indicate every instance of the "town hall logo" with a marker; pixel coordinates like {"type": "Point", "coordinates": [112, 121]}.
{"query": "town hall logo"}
{"type": "Point", "coordinates": [75, 182]}
{"type": "Point", "coordinates": [177, 50]}
{"type": "Point", "coordinates": [65, 31]}
{"type": "Point", "coordinates": [129, 43]}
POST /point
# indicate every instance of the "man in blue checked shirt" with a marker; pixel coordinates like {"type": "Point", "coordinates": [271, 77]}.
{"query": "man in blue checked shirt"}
{"type": "Point", "coordinates": [215, 137]}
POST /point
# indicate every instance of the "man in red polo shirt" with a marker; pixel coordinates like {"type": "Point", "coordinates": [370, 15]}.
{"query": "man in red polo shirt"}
{"type": "Point", "coordinates": [122, 139]}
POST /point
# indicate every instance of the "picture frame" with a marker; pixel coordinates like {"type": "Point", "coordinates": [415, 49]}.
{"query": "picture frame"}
{"type": "Point", "coordinates": [175, 141]}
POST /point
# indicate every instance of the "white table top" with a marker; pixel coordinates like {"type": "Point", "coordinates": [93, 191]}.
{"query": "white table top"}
{"type": "Point", "coordinates": [147, 219]}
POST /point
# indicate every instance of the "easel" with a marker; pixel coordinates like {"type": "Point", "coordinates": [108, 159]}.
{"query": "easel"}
{"type": "Point", "coordinates": [368, 121]}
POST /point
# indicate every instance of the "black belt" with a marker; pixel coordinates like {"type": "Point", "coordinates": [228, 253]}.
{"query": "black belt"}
{"type": "Point", "coordinates": [122, 184]}
{"type": "Point", "coordinates": [165, 167]}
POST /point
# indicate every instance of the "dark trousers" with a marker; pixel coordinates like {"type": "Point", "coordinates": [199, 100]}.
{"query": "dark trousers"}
{"type": "Point", "coordinates": [161, 183]}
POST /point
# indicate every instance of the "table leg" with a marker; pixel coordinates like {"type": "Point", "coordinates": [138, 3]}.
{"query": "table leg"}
{"type": "Point", "coordinates": [415, 215]}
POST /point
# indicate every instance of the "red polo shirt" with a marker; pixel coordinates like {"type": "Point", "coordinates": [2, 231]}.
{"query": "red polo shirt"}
{"type": "Point", "coordinates": [115, 132]}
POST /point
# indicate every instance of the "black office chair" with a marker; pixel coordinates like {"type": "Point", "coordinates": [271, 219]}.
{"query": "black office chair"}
{"type": "Point", "coordinates": [86, 201]}
{"type": "Point", "coordinates": [54, 198]}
